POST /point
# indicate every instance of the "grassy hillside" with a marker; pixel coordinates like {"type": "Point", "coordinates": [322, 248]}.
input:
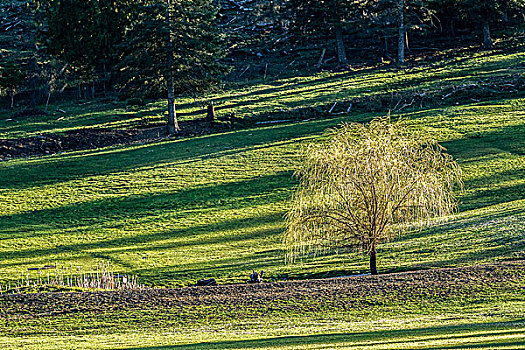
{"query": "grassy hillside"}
{"type": "Point", "coordinates": [439, 82]}
{"type": "Point", "coordinates": [213, 206]}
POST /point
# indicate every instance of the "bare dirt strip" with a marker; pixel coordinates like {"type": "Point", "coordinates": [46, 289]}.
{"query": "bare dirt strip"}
{"type": "Point", "coordinates": [91, 138]}
{"type": "Point", "coordinates": [474, 282]}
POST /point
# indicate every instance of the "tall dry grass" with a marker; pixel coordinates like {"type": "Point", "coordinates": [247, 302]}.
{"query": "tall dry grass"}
{"type": "Point", "coordinates": [101, 277]}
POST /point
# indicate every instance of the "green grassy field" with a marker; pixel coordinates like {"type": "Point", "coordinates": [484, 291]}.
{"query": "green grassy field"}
{"type": "Point", "coordinates": [386, 332]}
{"type": "Point", "coordinates": [174, 211]}
{"type": "Point", "coordinates": [285, 95]}
{"type": "Point", "coordinates": [212, 206]}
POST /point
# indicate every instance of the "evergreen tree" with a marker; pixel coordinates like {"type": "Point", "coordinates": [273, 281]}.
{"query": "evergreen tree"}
{"type": "Point", "coordinates": [171, 46]}
{"type": "Point", "coordinates": [483, 13]}
{"type": "Point", "coordinates": [84, 33]}
{"type": "Point", "coordinates": [326, 18]}
{"type": "Point", "coordinates": [398, 17]}
{"type": "Point", "coordinates": [11, 77]}
{"type": "Point", "coordinates": [445, 16]}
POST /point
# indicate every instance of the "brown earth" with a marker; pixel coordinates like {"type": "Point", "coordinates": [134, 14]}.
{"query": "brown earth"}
{"type": "Point", "coordinates": [90, 138]}
{"type": "Point", "coordinates": [475, 282]}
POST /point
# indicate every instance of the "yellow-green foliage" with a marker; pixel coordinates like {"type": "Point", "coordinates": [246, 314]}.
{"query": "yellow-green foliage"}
{"type": "Point", "coordinates": [366, 184]}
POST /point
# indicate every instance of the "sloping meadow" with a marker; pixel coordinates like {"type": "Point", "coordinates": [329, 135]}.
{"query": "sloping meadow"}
{"type": "Point", "coordinates": [177, 210]}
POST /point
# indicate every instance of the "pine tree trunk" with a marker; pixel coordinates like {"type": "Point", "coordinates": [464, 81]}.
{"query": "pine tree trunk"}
{"type": "Point", "coordinates": [173, 125]}
{"type": "Point", "coordinates": [373, 261]}
{"type": "Point", "coordinates": [341, 54]}
{"type": "Point", "coordinates": [12, 100]}
{"type": "Point", "coordinates": [48, 98]}
{"type": "Point", "coordinates": [105, 78]}
{"type": "Point", "coordinates": [505, 17]}
{"type": "Point", "coordinates": [401, 39]}
{"type": "Point", "coordinates": [487, 40]}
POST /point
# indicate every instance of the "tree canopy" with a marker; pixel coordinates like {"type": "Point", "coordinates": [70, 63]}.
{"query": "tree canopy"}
{"type": "Point", "coordinates": [365, 185]}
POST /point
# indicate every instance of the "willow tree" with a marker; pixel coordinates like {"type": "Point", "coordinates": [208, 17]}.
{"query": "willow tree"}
{"type": "Point", "coordinates": [367, 184]}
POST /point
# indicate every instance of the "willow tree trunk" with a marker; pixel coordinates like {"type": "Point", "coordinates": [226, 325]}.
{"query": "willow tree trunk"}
{"type": "Point", "coordinates": [373, 261]}
{"type": "Point", "coordinates": [487, 40]}
{"type": "Point", "coordinates": [401, 34]}
{"type": "Point", "coordinates": [341, 52]}
{"type": "Point", "coordinates": [173, 125]}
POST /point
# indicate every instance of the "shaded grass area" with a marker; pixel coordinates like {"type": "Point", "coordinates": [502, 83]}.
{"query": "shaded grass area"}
{"type": "Point", "coordinates": [480, 336]}
{"type": "Point", "coordinates": [490, 335]}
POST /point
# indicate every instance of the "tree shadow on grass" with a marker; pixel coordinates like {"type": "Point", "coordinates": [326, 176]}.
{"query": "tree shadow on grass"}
{"type": "Point", "coordinates": [465, 222]}
{"type": "Point", "coordinates": [51, 170]}
{"type": "Point", "coordinates": [501, 142]}
{"type": "Point", "coordinates": [484, 229]}
{"type": "Point", "coordinates": [227, 196]}
{"type": "Point", "coordinates": [254, 191]}
{"type": "Point", "coordinates": [462, 336]}
{"type": "Point", "coordinates": [184, 238]}
{"type": "Point", "coordinates": [487, 197]}
{"type": "Point", "coordinates": [506, 139]}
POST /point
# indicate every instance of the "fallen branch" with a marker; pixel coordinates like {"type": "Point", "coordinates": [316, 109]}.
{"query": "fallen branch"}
{"type": "Point", "coordinates": [321, 59]}
{"type": "Point", "coordinates": [239, 6]}
{"type": "Point", "coordinates": [397, 104]}
{"type": "Point", "coordinates": [406, 105]}
{"type": "Point", "coordinates": [272, 122]}
{"type": "Point", "coordinates": [285, 68]}
{"type": "Point", "coordinates": [13, 25]}
{"type": "Point", "coordinates": [333, 107]}
{"type": "Point", "coordinates": [244, 71]}
{"type": "Point", "coordinates": [448, 95]}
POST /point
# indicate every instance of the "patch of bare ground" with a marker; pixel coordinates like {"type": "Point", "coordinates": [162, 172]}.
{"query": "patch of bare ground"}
{"type": "Point", "coordinates": [482, 281]}
{"type": "Point", "coordinates": [90, 138]}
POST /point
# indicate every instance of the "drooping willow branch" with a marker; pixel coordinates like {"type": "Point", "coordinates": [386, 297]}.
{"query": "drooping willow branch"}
{"type": "Point", "coordinates": [366, 184]}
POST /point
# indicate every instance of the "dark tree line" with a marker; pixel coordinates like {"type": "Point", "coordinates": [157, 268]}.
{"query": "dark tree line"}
{"type": "Point", "coordinates": [153, 48]}
{"type": "Point", "coordinates": [338, 19]}
{"type": "Point", "coordinates": [146, 47]}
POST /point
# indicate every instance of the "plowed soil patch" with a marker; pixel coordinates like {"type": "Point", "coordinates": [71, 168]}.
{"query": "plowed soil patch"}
{"type": "Point", "coordinates": [83, 139]}
{"type": "Point", "coordinates": [342, 293]}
